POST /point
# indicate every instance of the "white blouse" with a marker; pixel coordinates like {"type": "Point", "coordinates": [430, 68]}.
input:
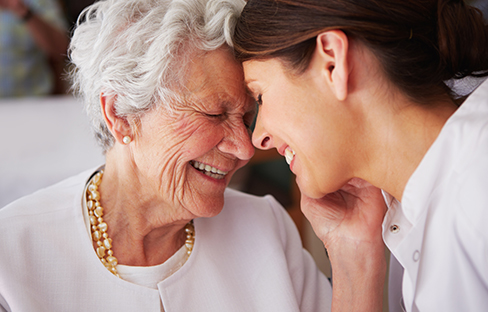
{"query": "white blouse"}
{"type": "Point", "coordinates": [248, 258]}
{"type": "Point", "coordinates": [438, 232]}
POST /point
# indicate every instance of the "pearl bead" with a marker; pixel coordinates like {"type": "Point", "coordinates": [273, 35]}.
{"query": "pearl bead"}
{"type": "Point", "coordinates": [107, 244]}
{"type": "Point", "coordinates": [97, 179]}
{"type": "Point", "coordinates": [101, 251]}
{"type": "Point", "coordinates": [98, 212]}
{"type": "Point", "coordinates": [104, 249]}
{"type": "Point", "coordinates": [96, 236]}
{"type": "Point", "coordinates": [112, 260]}
{"type": "Point", "coordinates": [95, 195]}
{"type": "Point", "coordinates": [103, 227]}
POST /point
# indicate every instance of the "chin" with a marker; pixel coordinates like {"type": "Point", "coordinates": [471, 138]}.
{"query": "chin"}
{"type": "Point", "coordinates": [209, 206]}
{"type": "Point", "coordinates": [313, 195]}
{"type": "Point", "coordinates": [316, 189]}
{"type": "Point", "coordinates": [308, 189]}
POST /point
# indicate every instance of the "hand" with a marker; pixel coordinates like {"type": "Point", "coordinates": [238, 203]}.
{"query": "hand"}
{"type": "Point", "coordinates": [349, 224]}
{"type": "Point", "coordinates": [353, 214]}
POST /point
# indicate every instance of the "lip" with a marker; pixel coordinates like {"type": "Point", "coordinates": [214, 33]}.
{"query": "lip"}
{"type": "Point", "coordinates": [282, 149]}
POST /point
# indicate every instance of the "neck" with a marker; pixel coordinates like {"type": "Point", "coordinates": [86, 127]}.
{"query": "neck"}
{"type": "Point", "coordinates": [399, 135]}
{"type": "Point", "coordinates": [145, 231]}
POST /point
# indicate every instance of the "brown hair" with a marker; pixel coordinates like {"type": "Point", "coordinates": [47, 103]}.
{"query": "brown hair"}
{"type": "Point", "coordinates": [420, 43]}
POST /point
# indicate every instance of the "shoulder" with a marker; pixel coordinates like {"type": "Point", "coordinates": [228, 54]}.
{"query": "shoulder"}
{"type": "Point", "coordinates": [254, 208]}
{"type": "Point", "coordinates": [480, 95]}
{"type": "Point", "coordinates": [469, 141]}
{"type": "Point", "coordinates": [249, 217]}
{"type": "Point", "coordinates": [52, 199]}
{"type": "Point", "coordinates": [466, 186]}
{"type": "Point", "coordinates": [235, 199]}
{"type": "Point", "coordinates": [472, 192]}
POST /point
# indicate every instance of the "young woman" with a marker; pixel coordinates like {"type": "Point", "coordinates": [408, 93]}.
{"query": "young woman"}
{"type": "Point", "coordinates": [363, 89]}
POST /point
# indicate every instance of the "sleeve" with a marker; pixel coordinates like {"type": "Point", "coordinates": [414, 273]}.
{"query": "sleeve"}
{"type": "Point", "coordinates": [312, 288]}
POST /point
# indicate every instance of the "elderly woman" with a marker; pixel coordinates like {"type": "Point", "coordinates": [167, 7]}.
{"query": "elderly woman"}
{"type": "Point", "coordinates": [149, 230]}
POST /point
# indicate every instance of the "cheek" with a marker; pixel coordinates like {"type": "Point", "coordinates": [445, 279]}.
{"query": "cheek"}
{"type": "Point", "coordinates": [197, 138]}
{"type": "Point", "coordinates": [162, 149]}
{"type": "Point", "coordinates": [284, 108]}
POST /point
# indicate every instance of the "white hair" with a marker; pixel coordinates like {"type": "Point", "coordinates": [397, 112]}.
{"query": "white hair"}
{"type": "Point", "coordinates": [136, 51]}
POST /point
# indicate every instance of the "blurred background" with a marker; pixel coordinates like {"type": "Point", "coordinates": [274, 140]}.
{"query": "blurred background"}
{"type": "Point", "coordinates": [46, 136]}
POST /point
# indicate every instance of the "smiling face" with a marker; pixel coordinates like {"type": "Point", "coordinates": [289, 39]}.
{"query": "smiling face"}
{"type": "Point", "coordinates": [186, 157]}
{"type": "Point", "coordinates": [302, 119]}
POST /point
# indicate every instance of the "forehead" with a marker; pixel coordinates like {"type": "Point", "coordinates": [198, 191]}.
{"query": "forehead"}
{"type": "Point", "coordinates": [267, 70]}
{"type": "Point", "coordinates": [216, 77]}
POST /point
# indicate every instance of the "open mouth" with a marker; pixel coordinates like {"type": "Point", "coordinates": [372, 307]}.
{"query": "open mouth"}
{"type": "Point", "coordinates": [208, 170]}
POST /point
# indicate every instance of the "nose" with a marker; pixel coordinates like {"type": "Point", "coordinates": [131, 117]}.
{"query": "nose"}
{"type": "Point", "coordinates": [260, 138]}
{"type": "Point", "coordinates": [237, 142]}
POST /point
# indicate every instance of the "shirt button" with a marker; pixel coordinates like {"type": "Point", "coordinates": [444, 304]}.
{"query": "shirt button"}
{"type": "Point", "coordinates": [416, 255]}
{"type": "Point", "coordinates": [394, 228]}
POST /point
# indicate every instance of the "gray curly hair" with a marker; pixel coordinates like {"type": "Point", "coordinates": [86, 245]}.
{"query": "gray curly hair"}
{"type": "Point", "coordinates": [137, 51]}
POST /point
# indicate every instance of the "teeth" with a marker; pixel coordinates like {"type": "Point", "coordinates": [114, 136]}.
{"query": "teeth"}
{"type": "Point", "coordinates": [289, 155]}
{"type": "Point", "coordinates": [209, 170]}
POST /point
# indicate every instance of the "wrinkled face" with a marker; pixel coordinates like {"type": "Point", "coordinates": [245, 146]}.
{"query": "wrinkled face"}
{"type": "Point", "coordinates": [187, 156]}
{"type": "Point", "coordinates": [300, 118]}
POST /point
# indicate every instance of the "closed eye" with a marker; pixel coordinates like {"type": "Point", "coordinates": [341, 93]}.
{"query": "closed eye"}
{"type": "Point", "coordinates": [215, 115]}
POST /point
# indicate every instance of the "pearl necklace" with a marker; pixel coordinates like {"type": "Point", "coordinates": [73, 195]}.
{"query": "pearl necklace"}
{"type": "Point", "coordinates": [99, 227]}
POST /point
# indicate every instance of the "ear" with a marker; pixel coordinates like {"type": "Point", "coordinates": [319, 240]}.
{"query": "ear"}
{"type": "Point", "coordinates": [332, 51]}
{"type": "Point", "coordinates": [118, 126]}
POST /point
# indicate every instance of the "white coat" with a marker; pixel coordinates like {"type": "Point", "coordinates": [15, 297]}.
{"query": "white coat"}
{"type": "Point", "coordinates": [438, 232]}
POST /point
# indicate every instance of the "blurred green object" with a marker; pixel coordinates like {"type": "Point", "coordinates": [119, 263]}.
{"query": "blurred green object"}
{"type": "Point", "coordinates": [271, 177]}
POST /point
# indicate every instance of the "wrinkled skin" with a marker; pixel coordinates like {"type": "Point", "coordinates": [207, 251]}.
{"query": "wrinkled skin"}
{"type": "Point", "coordinates": [150, 188]}
{"type": "Point", "coordinates": [355, 213]}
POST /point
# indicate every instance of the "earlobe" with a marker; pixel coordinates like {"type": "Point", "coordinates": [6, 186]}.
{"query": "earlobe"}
{"type": "Point", "coordinates": [332, 48]}
{"type": "Point", "coordinates": [118, 126]}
